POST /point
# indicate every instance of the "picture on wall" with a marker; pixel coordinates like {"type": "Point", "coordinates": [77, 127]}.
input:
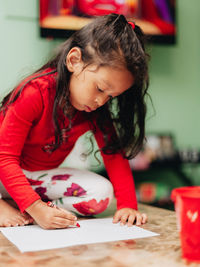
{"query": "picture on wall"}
{"type": "Point", "coordinates": [60, 18]}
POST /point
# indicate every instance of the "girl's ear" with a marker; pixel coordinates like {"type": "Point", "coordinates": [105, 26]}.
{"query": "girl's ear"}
{"type": "Point", "coordinates": [74, 61]}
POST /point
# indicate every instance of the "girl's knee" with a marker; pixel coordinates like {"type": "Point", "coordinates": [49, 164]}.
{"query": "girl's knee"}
{"type": "Point", "coordinates": [98, 201]}
{"type": "Point", "coordinates": [108, 188]}
{"type": "Point", "coordinates": [103, 188]}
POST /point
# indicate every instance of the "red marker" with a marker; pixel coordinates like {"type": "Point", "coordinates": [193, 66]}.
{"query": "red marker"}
{"type": "Point", "coordinates": [51, 205]}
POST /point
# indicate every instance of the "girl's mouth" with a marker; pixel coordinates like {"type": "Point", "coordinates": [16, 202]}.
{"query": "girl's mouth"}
{"type": "Point", "coordinates": [88, 109]}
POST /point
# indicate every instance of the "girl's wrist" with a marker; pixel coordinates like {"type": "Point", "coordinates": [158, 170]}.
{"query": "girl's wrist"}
{"type": "Point", "coordinates": [34, 206]}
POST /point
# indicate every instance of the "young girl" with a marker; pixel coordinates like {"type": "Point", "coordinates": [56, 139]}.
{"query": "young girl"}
{"type": "Point", "coordinates": [97, 81]}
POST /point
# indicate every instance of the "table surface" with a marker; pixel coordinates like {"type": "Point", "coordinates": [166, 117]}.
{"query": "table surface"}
{"type": "Point", "coordinates": [163, 250]}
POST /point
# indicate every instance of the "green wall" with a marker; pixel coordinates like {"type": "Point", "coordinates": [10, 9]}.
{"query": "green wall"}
{"type": "Point", "coordinates": [21, 48]}
{"type": "Point", "coordinates": [175, 79]}
{"type": "Point", "coordinates": [174, 70]}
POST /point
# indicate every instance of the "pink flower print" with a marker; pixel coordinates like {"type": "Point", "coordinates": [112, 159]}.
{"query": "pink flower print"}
{"type": "Point", "coordinates": [75, 190]}
{"type": "Point", "coordinates": [91, 207]}
{"type": "Point", "coordinates": [63, 177]}
{"type": "Point", "coordinates": [34, 182]}
{"type": "Point", "coordinates": [41, 191]}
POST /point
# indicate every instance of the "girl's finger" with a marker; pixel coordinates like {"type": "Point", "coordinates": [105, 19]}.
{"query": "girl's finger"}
{"type": "Point", "coordinates": [117, 217]}
{"type": "Point", "coordinates": [64, 210]}
{"type": "Point", "coordinates": [57, 226]}
{"type": "Point", "coordinates": [64, 222]}
{"type": "Point", "coordinates": [124, 218]}
{"type": "Point", "coordinates": [65, 214]}
{"type": "Point", "coordinates": [131, 220]}
{"type": "Point", "coordinates": [138, 219]}
{"type": "Point", "coordinates": [144, 218]}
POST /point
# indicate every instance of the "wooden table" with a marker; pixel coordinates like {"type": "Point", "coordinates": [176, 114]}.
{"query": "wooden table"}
{"type": "Point", "coordinates": [163, 250]}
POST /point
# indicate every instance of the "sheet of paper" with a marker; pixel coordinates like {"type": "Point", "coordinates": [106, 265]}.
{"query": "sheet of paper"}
{"type": "Point", "coordinates": [34, 238]}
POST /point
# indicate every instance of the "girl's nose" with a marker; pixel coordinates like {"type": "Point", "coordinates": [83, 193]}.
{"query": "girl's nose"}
{"type": "Point", "coordinates": [101, 100]}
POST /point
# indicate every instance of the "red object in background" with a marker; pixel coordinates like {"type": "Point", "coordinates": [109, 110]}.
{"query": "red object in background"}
{"type": "Point", "coordinates": [147, 192]}
{"type": "Point", "coordinates": [145, 10]}
{"type": "Point", "coordinates": [187, 206]}
{"type": "Point", "coordinates": [102, 7]}
{"type": "Point", "coordinates": [63, 7]}
{"type": "Point", "coordinates": [43, 9]}
{"type": "Point", "coordinates": [150, 13]}
{"type": "Point", "coordinates": [67, 7]}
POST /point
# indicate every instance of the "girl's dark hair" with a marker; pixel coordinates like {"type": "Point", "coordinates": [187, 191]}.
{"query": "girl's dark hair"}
{"type": "Point", "coordinates": [107, 41]}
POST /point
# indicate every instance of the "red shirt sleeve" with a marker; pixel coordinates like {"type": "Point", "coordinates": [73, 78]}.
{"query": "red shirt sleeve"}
{"type": "Point", "coordinates": [14, 129]}
{"type": "Point", "coordinates": [120, 175]}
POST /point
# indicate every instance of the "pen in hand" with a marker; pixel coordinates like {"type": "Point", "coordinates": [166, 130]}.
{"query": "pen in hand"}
{"type": "Point", "coordinates": [51, 205]}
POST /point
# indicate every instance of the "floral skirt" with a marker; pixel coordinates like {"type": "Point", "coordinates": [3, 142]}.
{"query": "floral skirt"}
{"type": "Point", "coordinates": [80, 191]}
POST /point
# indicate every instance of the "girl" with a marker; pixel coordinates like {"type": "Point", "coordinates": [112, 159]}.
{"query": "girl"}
{"type": "Point", "coordinates": [104, 65]}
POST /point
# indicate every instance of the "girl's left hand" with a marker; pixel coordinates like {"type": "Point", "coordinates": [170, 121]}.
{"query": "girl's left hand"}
{"type": "Point", "coordinates": [129, 216]}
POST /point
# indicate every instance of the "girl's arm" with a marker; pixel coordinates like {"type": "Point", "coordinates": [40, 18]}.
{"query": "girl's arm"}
{"type": "Point", "coordinates": [120, 175]}
{"type": "Point", "coordinates": [14, 129]}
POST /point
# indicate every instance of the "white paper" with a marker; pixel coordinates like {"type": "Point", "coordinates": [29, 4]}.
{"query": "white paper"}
{"type": "Point", "coordinates": [34, 238]}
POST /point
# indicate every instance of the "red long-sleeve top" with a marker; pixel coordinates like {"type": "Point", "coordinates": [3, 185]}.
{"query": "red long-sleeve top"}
{"type": "Point", "coordinates": [26, 131]}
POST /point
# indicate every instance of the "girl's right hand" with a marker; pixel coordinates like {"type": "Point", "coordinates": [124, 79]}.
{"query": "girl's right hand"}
{"type": "Point", "coordinates": [50, 218]}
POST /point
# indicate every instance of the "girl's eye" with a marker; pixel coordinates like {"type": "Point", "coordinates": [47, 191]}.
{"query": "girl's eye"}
{"type": "Point", "coordinates": [100, 90]}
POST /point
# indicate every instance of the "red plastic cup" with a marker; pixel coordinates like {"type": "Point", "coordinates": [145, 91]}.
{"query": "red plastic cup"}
{"type": "Point", "coordinates": [187, 206]}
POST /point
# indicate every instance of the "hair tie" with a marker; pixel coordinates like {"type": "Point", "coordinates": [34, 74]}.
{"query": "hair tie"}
{"type": "Point", "coordinates": [132, 24]}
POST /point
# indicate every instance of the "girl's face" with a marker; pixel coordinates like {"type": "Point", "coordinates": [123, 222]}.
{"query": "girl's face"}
{"type": "Point", "coordinates": [92, 87]}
